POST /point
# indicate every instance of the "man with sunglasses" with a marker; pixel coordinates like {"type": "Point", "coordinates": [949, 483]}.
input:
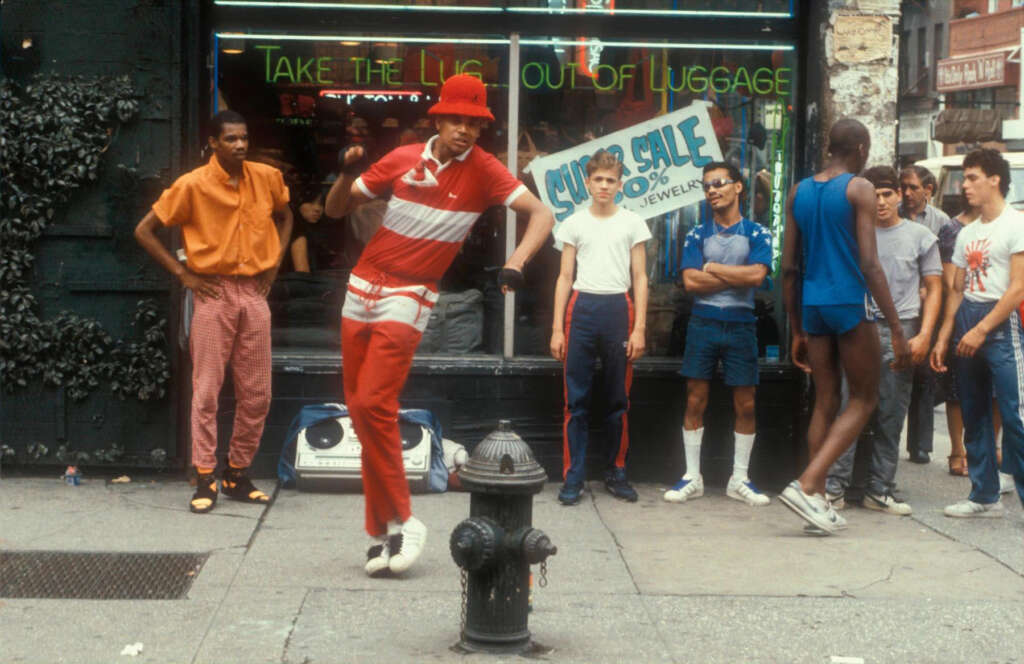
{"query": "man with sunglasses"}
{"type": "Point", "coordinates": [829, 263]}
{"type": "Point", "coordinates": [917, 186]}
{"type": "Point", "coordinates": [437, 191]}
{"type": "Point", "coordinates": [725, 259]}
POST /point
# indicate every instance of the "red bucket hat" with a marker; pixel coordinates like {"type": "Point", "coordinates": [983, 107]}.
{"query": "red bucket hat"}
{"type": "Point", "coordinates": [463, 94]}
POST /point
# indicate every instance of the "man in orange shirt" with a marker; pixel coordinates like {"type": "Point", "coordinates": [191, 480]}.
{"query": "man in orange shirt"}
{"type": "Point", "coordinates": [235, 223]}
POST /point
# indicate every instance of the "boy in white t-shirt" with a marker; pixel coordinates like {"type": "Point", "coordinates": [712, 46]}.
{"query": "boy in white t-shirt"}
{"type": "Point", "coordinates": [984, 322]}
{"type": "Point", "coordinates": [595, 318]}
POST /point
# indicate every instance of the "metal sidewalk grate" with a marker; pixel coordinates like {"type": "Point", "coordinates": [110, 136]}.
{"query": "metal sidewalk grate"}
{"type": "Point", "coordinates": [79, 575]}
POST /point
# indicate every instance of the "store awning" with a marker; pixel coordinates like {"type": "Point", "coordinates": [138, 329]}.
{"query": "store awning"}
{"type": "Point", "coordinates": [968, 125]}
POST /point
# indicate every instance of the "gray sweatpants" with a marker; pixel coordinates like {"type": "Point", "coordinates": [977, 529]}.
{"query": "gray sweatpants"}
{"type": "Point", "coordinates": [886, 422]}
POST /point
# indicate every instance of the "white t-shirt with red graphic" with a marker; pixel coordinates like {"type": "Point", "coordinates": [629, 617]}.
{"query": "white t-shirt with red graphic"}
{"type": "Point", "coordinates": [983, 249]}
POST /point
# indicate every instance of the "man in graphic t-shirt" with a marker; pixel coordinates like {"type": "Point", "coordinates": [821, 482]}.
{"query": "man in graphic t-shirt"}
{"type": "Point", "coordinates": [594, 318]}
{"type": "Point", "coordinates": [724, 260]}
{"type": "Point", "coordinates": [909, 255]}
{"type": "Point", "coordinates": [983, 321]}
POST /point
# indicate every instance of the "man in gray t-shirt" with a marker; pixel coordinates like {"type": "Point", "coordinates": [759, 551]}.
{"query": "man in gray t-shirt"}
{"type": "Point", "coordinates": [909, 254]}
{"type": "Point", "coordinates": [917, 188]}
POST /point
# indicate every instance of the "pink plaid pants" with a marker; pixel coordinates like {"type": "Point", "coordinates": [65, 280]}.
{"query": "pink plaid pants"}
{"type": "Point", "coordinates": [235, 329]}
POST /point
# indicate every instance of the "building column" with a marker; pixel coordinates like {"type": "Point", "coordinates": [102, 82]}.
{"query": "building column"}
{"type": "Point", "coordinates": [854, 42]}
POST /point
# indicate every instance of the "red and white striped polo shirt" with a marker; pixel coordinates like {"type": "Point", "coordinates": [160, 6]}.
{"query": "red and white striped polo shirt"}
{"type": "Point", "coordinates": [433, 206]}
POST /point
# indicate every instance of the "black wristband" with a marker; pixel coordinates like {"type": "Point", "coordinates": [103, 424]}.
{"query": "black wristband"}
{"type": "Point", "coordinates": [354, 169]}
{"type": "Point", "coordinates": [511, 278]}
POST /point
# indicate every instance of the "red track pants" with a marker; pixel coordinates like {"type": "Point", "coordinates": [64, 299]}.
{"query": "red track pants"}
{"type": "Point", "coordinates": [376, 358]}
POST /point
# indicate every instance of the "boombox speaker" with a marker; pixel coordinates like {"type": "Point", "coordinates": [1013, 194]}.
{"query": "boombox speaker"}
{"type": "Point", "coordinates": [328, 456]}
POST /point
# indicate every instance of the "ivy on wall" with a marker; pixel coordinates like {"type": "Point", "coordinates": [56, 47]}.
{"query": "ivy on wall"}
{"type": "Point", "coordinates": [53, 133]}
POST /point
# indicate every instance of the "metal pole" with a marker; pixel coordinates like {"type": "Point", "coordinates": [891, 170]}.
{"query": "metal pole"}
{"type": "Point", "coordinates": [513, 160]}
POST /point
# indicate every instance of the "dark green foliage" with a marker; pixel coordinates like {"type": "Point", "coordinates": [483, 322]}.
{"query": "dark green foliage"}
{"type": "Point", "coordinates": [53, 133]}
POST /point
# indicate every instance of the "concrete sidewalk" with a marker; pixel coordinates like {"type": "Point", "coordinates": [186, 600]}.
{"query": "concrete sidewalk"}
{"type": "Point", "coordinates": [707, 581]}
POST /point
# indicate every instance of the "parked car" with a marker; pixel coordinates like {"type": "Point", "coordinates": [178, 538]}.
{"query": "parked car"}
{"type": "Point", "coordinates": [949, 172]}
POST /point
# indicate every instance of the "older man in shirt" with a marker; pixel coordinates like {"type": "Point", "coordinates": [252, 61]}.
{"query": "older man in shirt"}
{"type": "Point", "coordinates": [917, 186]}
{"type": "Point", "coordinates": [227, 210]}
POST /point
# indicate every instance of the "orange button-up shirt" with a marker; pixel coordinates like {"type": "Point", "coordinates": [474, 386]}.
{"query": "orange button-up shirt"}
{"type": "Point", "coordinates": [227, 230]}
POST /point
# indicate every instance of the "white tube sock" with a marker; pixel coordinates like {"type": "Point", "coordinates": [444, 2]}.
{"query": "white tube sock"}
{"type": "Point", "coordinates": [741, 456]}
{"type": "Point", "coordinates": [691, 447]}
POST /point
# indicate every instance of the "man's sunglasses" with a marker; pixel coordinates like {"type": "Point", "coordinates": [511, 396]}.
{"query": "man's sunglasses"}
{"type": "Point", "coordinates": [717, 183]}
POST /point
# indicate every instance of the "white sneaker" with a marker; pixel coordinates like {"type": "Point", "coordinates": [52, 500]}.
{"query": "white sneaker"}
{"type": "Point", "coordinates": [413, 537]}
{"type": "Point", "coordinates": [835, 517]}
{"type": "Point", "coordinates": [967, 509]}
{"type": "Point", "coordinates": [377, 557]}
{"type": "Point", "coordinates": [745, 491]}
{"type": "Point", "coordinates": [685, 489]}
{"type": "Point", "coordinates": [1006, 483]}
{"type": "Point", "coordinates": [836, 500]}
{"type": "Point", "coordinates": [813, 509]}
{"type": "Point", "coordinates": [886, 503]}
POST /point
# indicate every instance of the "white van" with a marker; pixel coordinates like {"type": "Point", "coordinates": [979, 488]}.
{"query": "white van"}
{"type": "Point", "coordinates": [949, 172]}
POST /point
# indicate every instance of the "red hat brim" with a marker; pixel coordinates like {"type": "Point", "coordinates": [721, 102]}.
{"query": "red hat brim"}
{"type": "Point", "coordinates": [461, 108]}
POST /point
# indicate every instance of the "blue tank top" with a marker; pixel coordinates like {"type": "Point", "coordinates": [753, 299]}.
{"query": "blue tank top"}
{"type": "Point", "coordinates": [831, 260]}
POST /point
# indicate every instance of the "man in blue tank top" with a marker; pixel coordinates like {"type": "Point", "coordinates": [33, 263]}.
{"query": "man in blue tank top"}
{"type": "Point", "coordinates": [829, 262]}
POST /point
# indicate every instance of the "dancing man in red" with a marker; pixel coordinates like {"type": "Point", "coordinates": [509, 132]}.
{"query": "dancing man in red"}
{"type": "Point", "coordinates": [438, 190]}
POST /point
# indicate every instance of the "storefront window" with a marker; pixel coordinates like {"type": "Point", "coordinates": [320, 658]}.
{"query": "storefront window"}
{"type": "Point", "coordinates": [307, 99]}
{"type": "Point", "coordinates": [667, 110]}
{"type": "Point", "coordinates": [667, 107]}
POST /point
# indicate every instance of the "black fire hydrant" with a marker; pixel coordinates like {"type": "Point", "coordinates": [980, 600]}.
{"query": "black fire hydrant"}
{"type": "Point", "coordinates": [496, 545]}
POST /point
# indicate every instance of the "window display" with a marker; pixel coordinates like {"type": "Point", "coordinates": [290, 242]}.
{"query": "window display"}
{"type": "Point", "coordinates": [664, 108]}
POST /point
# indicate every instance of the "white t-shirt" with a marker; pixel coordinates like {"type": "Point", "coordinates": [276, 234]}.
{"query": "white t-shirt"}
{"type": "Point", "coordinates": [983, 250]}
{"type": "Point", "coordinates": [602, 248]}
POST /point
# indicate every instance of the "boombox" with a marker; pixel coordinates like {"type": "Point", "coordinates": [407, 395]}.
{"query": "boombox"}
{"type": "Point", "coordinates": [328, 456]}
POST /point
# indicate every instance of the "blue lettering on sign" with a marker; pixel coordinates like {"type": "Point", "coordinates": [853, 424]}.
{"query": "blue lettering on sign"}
{"type": "Point", "coordinates": [639, 146]}
{"type": "Point", "coordinates": [653, 154]}
{"type": "Point", "coordinates": [659, 153]}
{"type": "Point", "coordinates": [694, 142]}
{"type": "Point", "coordinates": [577, 182]}
{"type": "Point", "coordinates": [670, 142]}
{"type": "Point", "coordinates": [554, 184]}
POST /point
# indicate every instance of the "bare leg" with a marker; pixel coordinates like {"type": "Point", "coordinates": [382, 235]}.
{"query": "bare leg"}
{"type": "Point", "coordinates": [957, 451]}
{"type": "Point", "coordinates": [859, 356]}
{"type": "Point", "coordinates": [743, 405]}
{"type": "Point", "coordinates": [696, 402]}
{"type": "Point", "coordinates": [825, 373]}
{"type": "Point", "coordinates": [955, 424]}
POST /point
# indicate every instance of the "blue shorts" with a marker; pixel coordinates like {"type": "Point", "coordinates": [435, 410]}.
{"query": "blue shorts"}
{"type": "Point", "coordinates": [709, 341]}
{"type": "Point", "coordinates": [832, 319]}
